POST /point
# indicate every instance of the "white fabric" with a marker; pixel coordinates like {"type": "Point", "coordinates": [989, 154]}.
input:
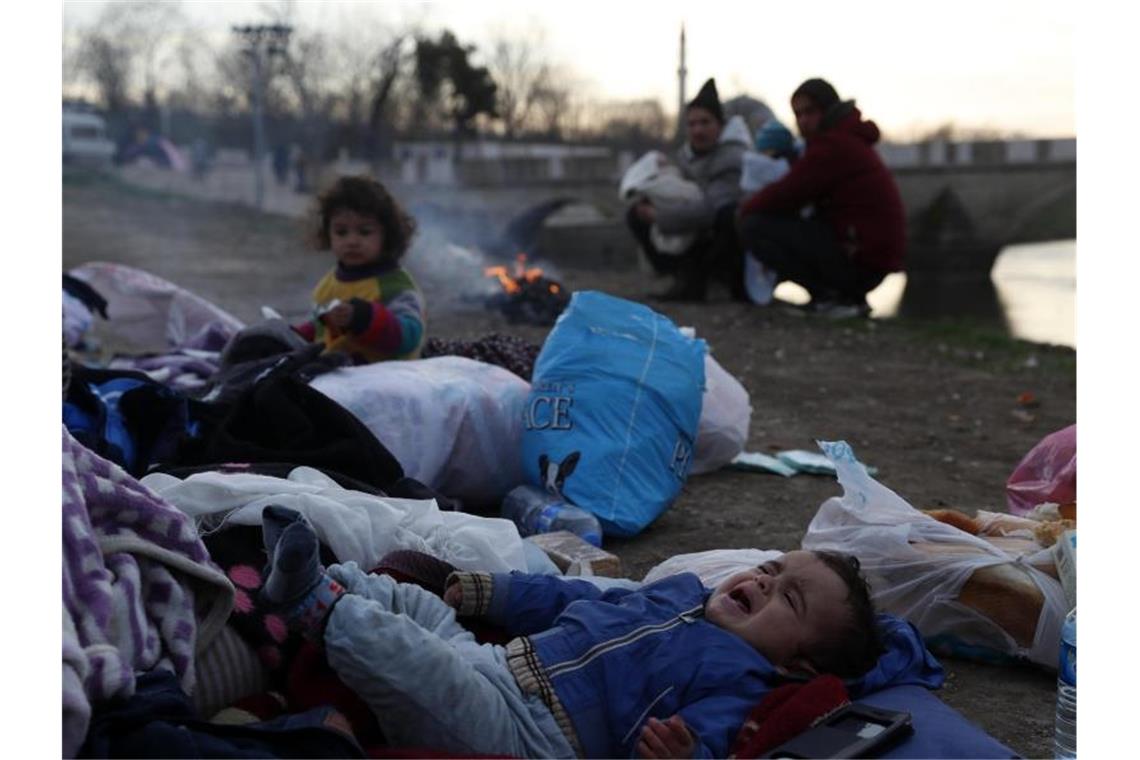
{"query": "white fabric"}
{"type": "Point", "coordinates": [77, 319]}
{"type": "Point", "coordinates": [876, 525]}
{"type": "Point", "coordinates": [759, 281]}
{"type": "Point", "coordinates": [452, 422]}
{"type": "Point", "coordinates": [725, 416]}
{"type": "Point", "coordinates": [146, 312]}
{"type": "Point", "coordinates": [356, 526]}
{"type": "Point", "coordinates": [760, 170]}
{"type": "Point", "coordinates": [736, 130]}
{"type": "Point", "coordinates": [712, 567]}
{"type": "Point", "coordinates": [655, 178]}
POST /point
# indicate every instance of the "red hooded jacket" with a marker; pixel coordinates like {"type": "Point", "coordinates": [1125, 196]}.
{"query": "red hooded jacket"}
{"type": "Point", "coordinates": [842, 175]}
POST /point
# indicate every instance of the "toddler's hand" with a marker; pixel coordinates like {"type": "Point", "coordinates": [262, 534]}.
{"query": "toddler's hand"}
{"type": "Point", "coordinates": [340, 316]}
{"type": "Point", "coordinates": [453, 596]}
{"type": "Point", "coordinates": [668, 738]}
{"type": "Point", "coordinates": [646, 212]}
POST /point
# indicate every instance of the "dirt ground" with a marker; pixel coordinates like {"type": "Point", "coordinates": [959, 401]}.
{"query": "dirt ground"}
{"type": "Point", "coordinates": [932, 406]}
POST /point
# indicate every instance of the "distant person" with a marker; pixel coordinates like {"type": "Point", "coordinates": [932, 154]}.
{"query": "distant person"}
{"type": "Point", "coordinates": [857, 232]}
{"type": "Point", "coordinates": [299, 159]}
{"type": "Point", "coordinates": [776, 141]}
{"type": "Point", "coordinates": [367, 306]}
{"type": "Point", "coordinates": [199, 158]}
{"type": "Point", "coordinates": [712, 159]}
{"type": "Point", "coordinates": [281, 164]}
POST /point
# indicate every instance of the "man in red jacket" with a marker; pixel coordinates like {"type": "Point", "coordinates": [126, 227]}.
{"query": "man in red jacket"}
{"type": "Point", "coordinates": [856, 231]}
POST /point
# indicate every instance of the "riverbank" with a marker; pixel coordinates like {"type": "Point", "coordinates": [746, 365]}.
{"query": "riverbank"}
{"type": "Point", "coordinates": [933, 406]}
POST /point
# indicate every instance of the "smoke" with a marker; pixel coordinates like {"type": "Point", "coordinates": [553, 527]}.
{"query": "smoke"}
{"type": "Point", "coordinates": [452, 249]}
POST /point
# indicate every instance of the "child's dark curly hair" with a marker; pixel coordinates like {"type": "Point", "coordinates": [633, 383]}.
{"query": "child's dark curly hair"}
{"type": "Point", "coordinates": [366, 196]}
{"type": "Point", "coordinates": [855, 648]}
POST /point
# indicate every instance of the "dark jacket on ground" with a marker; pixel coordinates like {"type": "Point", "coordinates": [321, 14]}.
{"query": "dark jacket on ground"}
{"type": "Point", "coordinates": [842, 175]}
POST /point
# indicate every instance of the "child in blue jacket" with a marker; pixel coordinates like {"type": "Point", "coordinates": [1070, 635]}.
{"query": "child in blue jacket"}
{"type": "Point", "coordinates": [668, 670]}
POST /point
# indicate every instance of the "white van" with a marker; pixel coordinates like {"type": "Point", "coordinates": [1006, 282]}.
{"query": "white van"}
{"type": "Point", "coordinates": [85, 139]}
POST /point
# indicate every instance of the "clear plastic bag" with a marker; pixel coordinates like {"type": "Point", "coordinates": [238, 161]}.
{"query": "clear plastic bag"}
{"type": "Point", "coordinates": [936, 576]}
{"type": "Point", "coordinates": [1048, 473]}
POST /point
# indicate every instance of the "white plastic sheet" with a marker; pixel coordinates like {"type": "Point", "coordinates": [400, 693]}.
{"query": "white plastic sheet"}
{"type": "Point", "coordinates": [725, 416]}
{"type": "Point", "coordinates": [148, 313]}
{"type": "Point", "coordinates": [452, 422]}
{"type": "Point", "coordinates": [712, 567]}
{"type": "Point", "coordinates": [880, 528]}
{"type": "Point", "coordinates": [356, 526]}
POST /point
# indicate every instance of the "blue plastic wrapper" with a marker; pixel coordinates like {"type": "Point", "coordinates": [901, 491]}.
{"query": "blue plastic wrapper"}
{"type": "Point", "coordinates": [613, 411]}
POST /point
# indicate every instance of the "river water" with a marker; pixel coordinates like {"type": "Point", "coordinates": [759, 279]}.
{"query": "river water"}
{"type": "Point", "coordinates": [1031, 294]}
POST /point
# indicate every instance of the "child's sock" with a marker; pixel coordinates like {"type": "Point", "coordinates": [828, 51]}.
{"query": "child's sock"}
{"type": "Point", "coordinates": [296, 583]}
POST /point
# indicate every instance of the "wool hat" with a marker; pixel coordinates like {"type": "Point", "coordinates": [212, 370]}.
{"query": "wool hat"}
{"type": "Point", "coordinates": [708, 99]}
{"type": "Point", "coordinates": [818, 91]}
{"type": "Point", "coordinates": [775, 136]}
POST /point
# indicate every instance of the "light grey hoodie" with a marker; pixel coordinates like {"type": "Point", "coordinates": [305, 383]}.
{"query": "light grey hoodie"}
{"type": "Point", "coordinates": [717, 173]}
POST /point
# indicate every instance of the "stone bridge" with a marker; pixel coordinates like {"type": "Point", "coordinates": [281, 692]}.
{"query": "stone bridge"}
{"type": "Point", "coordinates": [965, 201]}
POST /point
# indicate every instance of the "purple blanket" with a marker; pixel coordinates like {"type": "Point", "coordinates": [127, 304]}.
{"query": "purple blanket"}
{"type": "Point", "coordinates": [134, 574]}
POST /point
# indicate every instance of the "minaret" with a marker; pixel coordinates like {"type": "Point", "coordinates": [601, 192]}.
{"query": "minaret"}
{"type": "Point", "coordinates": [682, 72]}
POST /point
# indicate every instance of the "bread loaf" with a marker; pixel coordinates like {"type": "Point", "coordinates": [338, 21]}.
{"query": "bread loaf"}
{"type": "Point", "coordinates": [1004, 593]}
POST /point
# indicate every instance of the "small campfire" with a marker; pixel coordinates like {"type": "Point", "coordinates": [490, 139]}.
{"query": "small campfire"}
{"type": "Point", "coordinates": [528, 295]}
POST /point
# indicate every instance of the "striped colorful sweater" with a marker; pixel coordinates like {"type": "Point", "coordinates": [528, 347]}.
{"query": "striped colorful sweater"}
{"type": "Point", "coordinates": [388, 313]}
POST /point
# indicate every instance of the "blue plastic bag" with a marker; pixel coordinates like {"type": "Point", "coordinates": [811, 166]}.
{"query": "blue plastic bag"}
{"type": "Point", "coordinates": [612, 414]}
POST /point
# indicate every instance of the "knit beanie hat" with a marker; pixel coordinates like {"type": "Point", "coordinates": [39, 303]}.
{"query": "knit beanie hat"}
{"type": "Point", "coordinates": [818, 91]}
{"type": "Point", "coordinates": [708, 99]}
{"type": "Point", "coordinates": [776, 137]}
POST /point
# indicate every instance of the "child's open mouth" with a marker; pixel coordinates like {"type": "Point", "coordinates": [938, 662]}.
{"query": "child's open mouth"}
{"type": "Point", "coordinates": [741, 599]}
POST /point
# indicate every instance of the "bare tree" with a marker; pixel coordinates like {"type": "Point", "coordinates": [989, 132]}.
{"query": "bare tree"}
{"type": "Point", "coordinates": [558, 104]}
{"type": "Point", "coordinates": [638, 124]}
{"type": "Point", "coordinates": [125, 50]}
{"type": "Point", "coordinates": [523, 77]}
{"type": "Point", "coordinates": [309, 66]}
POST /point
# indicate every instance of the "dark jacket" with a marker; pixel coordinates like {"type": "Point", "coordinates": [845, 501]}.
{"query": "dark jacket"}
{"type": "Point", "coordinates": [605, 661]}
{"type": "Point", "coordinates": [842, 175]}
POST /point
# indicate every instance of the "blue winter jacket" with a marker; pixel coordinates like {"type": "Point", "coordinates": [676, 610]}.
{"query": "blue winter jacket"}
{"type": "Point", "coordinates": [604, 662]}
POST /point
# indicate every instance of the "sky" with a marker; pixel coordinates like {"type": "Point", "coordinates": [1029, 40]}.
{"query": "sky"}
{"type": "Point", "coordinates": [1003, 64]}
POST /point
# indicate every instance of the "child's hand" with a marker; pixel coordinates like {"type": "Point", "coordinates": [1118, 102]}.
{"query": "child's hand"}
{"type": "Point", "coordinates": [646, 212]}
{"type": "Point", "coordinates": [667, 738]}
{"type": "Point", "coordinates": [339, 316]}
{"type": "Point", "coordinates": [453, 596]}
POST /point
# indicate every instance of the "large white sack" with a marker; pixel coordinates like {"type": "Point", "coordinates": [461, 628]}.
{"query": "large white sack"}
{"type": "Point", "coordinates": [725, 416]}
{"type": "Point", "coordinates": [148, 313]}
{"type": "Point", "coordinates": [453, 423]}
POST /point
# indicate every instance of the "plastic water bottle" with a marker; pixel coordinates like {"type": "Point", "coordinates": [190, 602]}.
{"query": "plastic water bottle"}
{"type": "Point", "coordinates": [1065, 732]}
{"type": "Point", "coordinates": [536, 511]}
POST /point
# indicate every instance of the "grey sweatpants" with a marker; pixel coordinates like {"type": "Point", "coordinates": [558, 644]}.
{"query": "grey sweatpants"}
{"type": "Point", "coordinates": [425, 677]}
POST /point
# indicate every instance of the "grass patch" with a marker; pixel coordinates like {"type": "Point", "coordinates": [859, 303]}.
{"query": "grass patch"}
{"type": "Point", "coordinates": [967, 338]}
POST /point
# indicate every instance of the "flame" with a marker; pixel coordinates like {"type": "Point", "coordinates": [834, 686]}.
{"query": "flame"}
{"type": "Point", "coordinates": [522, 272]}
{"type": "Point", "coordinates": [509, 284]}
